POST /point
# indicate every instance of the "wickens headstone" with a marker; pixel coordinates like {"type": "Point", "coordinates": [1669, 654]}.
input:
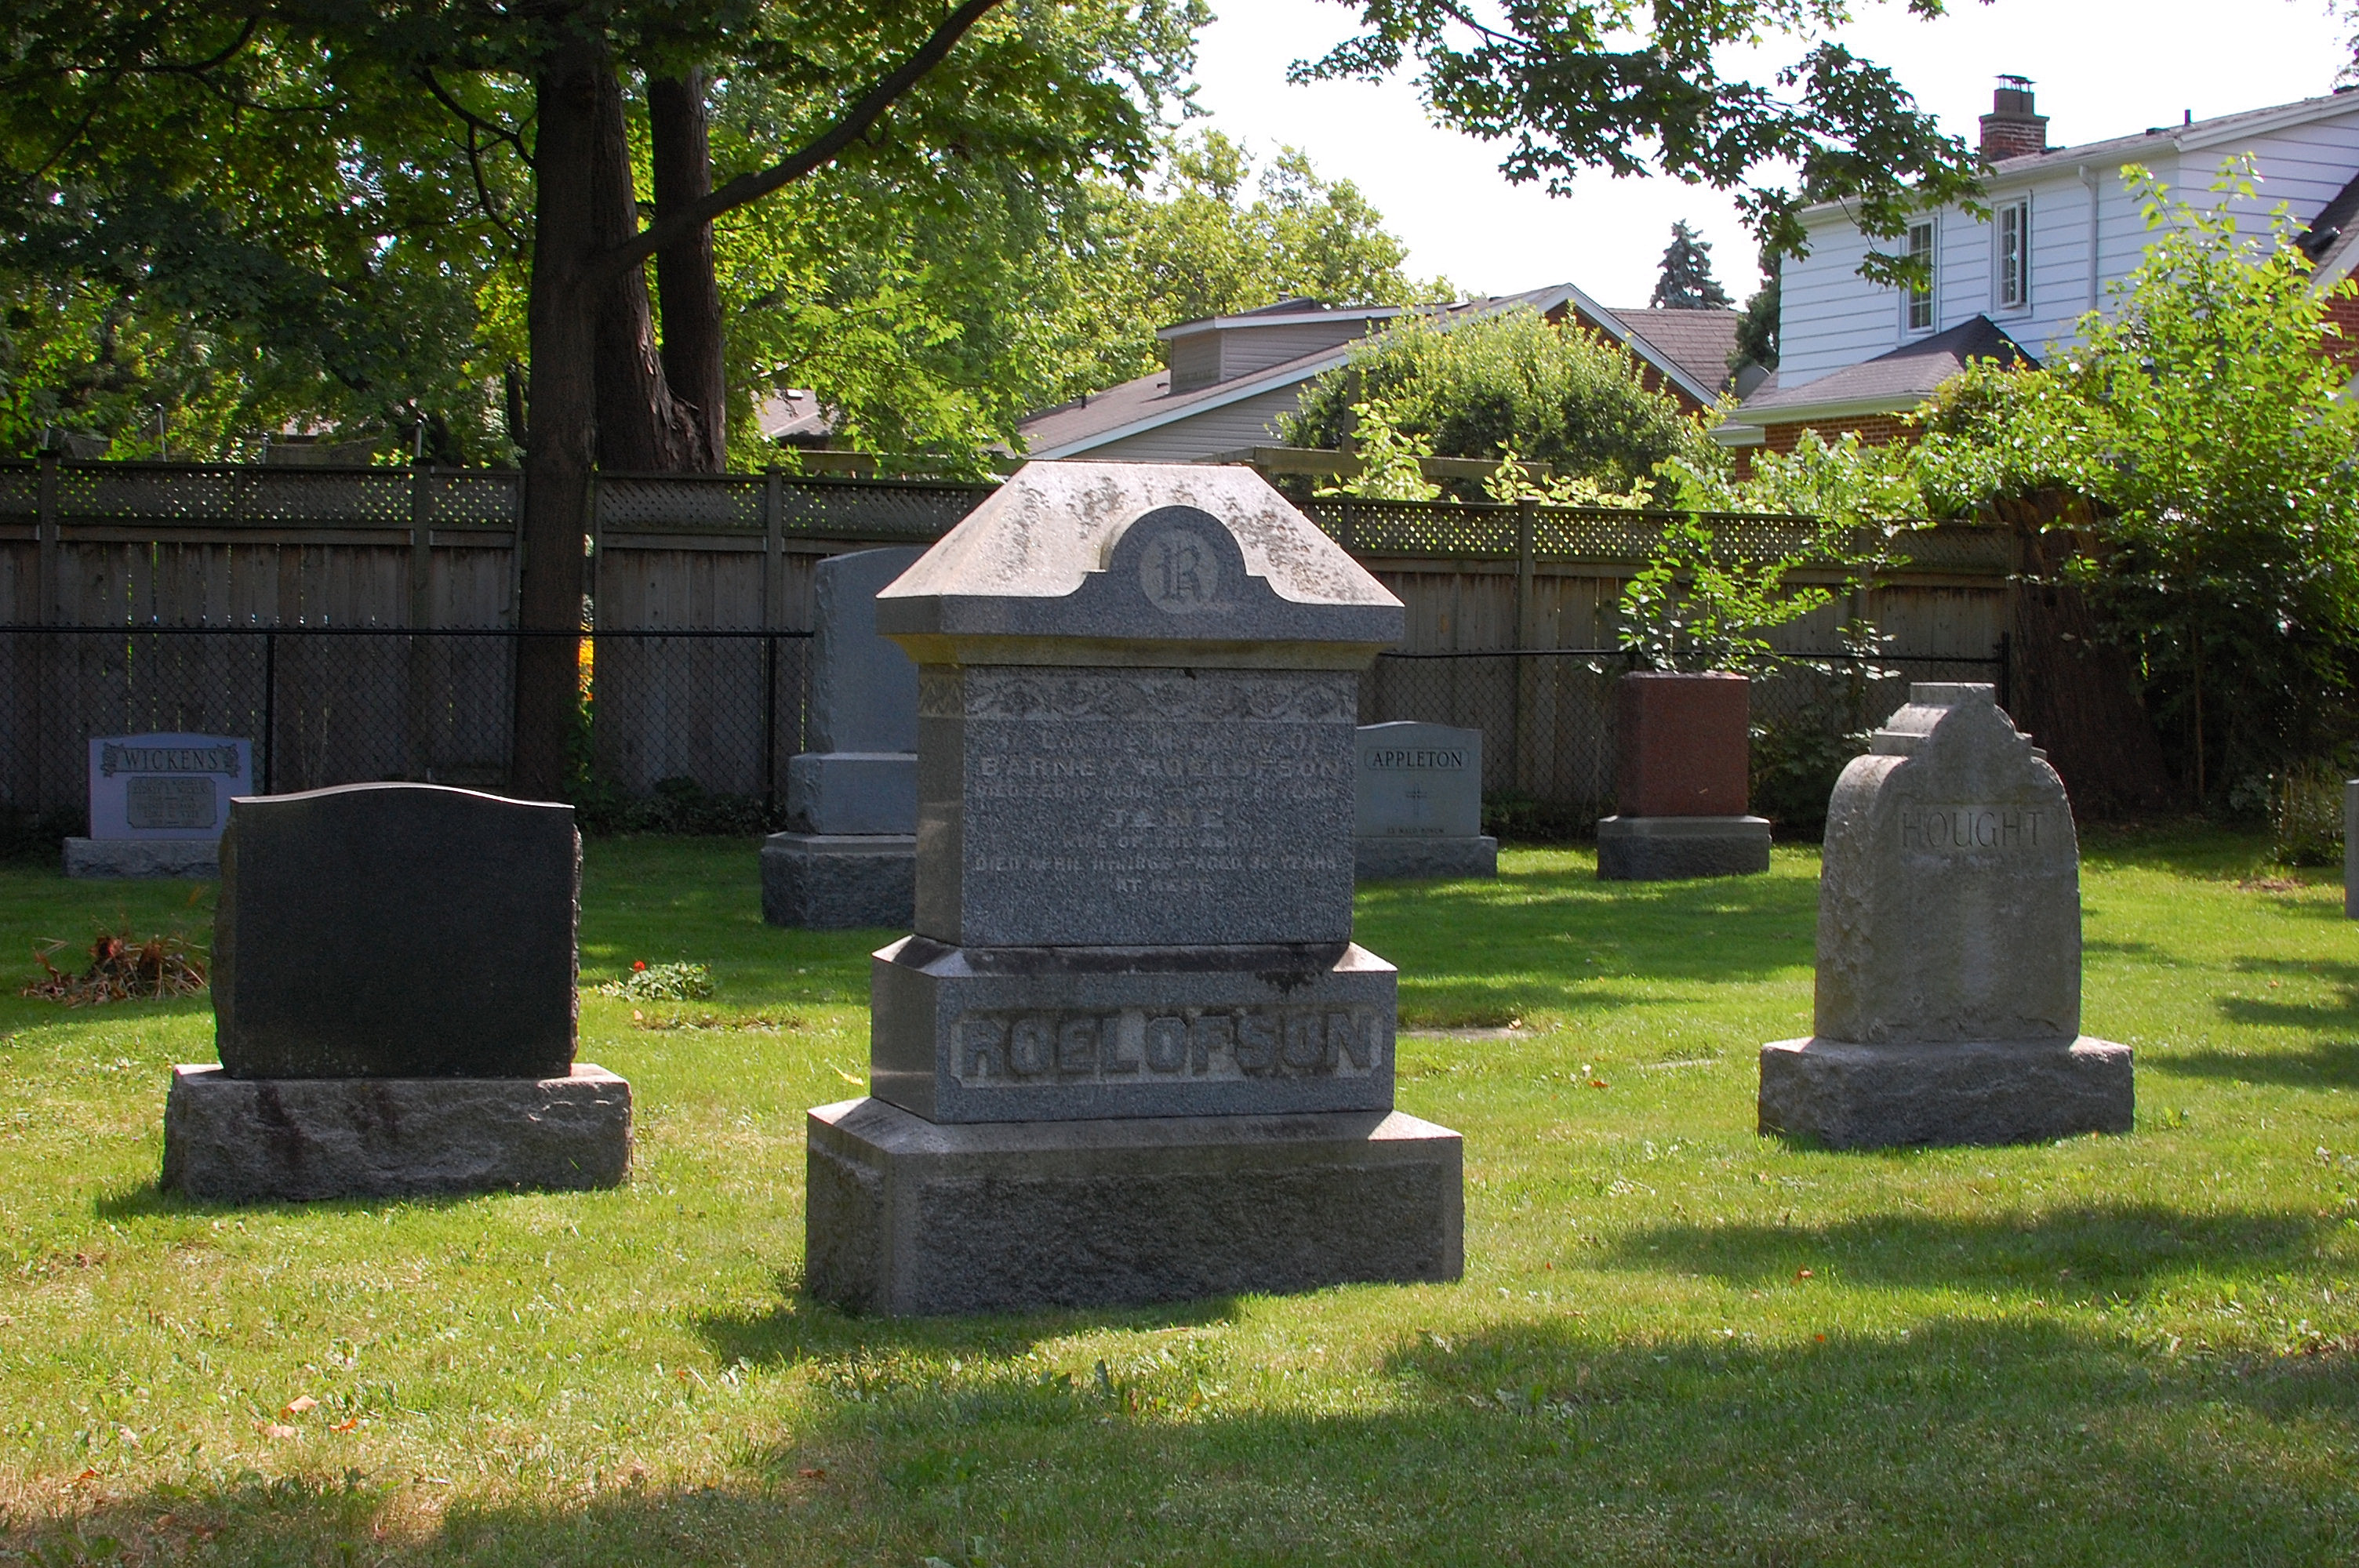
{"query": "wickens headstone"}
{"type": "Point", "coordinates": [1949, 955]}
{"type": "Point", "coordinates": [1131, 1052]}
{"type": "Point", "coordinates": [851, 859]}
{"type": "Point", "coordinates": [393, 1004]}
{"type": "Point", "coordinates": [1419, 796]}
{"type": "Point", "coordinates": [159, 804]}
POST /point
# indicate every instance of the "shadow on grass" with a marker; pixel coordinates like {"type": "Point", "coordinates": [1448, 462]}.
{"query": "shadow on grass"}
{"type": "Point", "coordinates": [2068, 1255]}
{"type": "Point", "coordinates": [2329, 1063]}
{"type": "Point", "coordinates": [1537, 941]}
{"type": "Point", "coordinates": [1961, 1442]}
{"type": "Point", "coordinates": [147, 1199]}
{"type": "Point", "coordinates": [800, 1330]}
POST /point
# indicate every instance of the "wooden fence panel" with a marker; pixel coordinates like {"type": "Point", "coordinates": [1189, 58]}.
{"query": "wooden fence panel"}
{"type": "Point", "coordinates": [300, 549]}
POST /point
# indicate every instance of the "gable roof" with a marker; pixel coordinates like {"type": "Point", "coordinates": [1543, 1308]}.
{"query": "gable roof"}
{"type": "Point", "coordinates": [1888, 383]}
{"type": "Point", "coordinates": [1699, 341]}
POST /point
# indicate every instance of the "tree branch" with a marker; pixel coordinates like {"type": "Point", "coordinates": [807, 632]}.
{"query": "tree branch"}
{"type": "Point", "coordinates": [854, 124]}
{"type": "Point", "coordinates": [472, 121]}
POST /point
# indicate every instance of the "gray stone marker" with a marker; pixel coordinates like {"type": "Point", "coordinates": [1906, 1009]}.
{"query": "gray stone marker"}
{"type": "Point", "coordinates": [1419, 798]}
{"type": "Point", "coordinates": [1949, 953]}
{"type": "Point", "coordinates": [159, 804]}
{"type": "Point", "coordinates": [1131, 1052]}
{"type": "Point", "coordinates": [2350, 849]}
{"type": "Point", "coordinates": [852, 858]}
{"type": "Point", "coordinates": [393, 1004]}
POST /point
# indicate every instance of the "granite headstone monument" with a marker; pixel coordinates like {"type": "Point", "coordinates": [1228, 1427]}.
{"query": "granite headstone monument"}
{"type": "Point", "coordinates": [1418, 800]}
{"type": "Point", "coordinates": [851, 856]}
{"type": "Point", "coordinates": [393, 1004]}
{"type": "Point", "coordinates": [1947, 1003]}
{"type": "Point", "coordinates": [1682, 747]}
{"type": "Point", "coordinates": [1131, 1052]}
{"type": "Point", "coordinates": [159, 804]}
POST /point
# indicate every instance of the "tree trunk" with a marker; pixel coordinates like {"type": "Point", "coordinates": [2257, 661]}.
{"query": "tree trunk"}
{"type": "Point", "coordinates": [560, 439]}
{"type": "Point", "coordinates": [640, 425]}
{"type": "Point", "coordinates": [686, 286]}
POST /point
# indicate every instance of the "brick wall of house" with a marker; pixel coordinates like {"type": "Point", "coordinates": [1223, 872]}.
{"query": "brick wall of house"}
{"type": "Point", "coordinates": [1875, 430]}
{"type": "Point", "coordinates": [2344, 311]}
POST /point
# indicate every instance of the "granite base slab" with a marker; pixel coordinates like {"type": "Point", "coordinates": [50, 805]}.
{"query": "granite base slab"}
{"type": "Point", "coordinates": [968, 1034]}
{"type": "Point", "coordinates": [908, 1218]}
{"type": "Point", "coordinates": [829, 882]}
{"type": "Point", "coordinates": [1675, 849]}
{"type": "Point", "coordinates": [269, 1139]}
{"type": "Point", "coordinates": [105, 858]}
{"type": "Point", "coordinates": [1845, 1096]}
{"type": "Point", "coordinates": [1427, 860]}
{"type": "Point", "coordinates": [854, 791]}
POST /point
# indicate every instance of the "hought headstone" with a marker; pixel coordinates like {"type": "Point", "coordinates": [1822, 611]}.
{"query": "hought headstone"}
{"type": "Point", "coordinates": [1419, 794]}
{"type": "Point", "coordinates": [1131, 1052]}
{"type": "Point", "coordinates": [393, 1004]}
{"type": "Point", "coordinates": [1948, 973]}
{"type": "Point", "coordinates": [851, 859]}
{"type": "Point", "coordinates": [1681, 747]}
{"type": "Point", "coordinates": [157, 805]}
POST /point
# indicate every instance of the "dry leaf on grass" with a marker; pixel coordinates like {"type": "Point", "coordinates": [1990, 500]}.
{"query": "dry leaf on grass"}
{"type": "Point", "coordinates": [274, 1429]}
{"type": "Point", "coordinates": [122, 967]}
{"type": "Point", "coordinates": [300, 1403]}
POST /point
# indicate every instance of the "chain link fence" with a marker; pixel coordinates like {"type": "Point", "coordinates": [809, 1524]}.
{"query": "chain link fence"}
{"type": "Point", "coordinates": [678, 728]}
{"type": "Point", "coordinates": [692, 728]}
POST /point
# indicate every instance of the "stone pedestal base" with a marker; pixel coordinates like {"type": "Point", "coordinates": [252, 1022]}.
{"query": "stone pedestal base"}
{"type": "Point", "coordinates": [1845, 1096]}
{"type": "Point", "coordinates": [1670, 849]}
{"type": "Point", "coordinates": [907, 1218]}
{"type": "Point", "coordinates": [827, 882]}
{"type": "Point", "coordinates": [854, 791]}
{"type": "Point", "coordinates": [1427, 858]}
{"type": "Point", "coordinates": [143, 858]}
{"type": "Point", "coordinates": [994, 1035]}
{"type": "Point", "coordinates": [261, 1139]}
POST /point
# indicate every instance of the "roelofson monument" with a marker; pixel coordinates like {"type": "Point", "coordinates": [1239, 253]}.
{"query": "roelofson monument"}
{"type": "Point", "coordinates": [1949, 977]}
{"type": "Point", "coordinates": [1131, 1052]}
{"type": "Point", "coordinates": [852, 857]}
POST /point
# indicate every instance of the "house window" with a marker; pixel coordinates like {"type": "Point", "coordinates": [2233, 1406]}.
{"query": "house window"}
{"type": "Point", "coordinates": [1920, 296]}
{"type": "Point", "coordinates": [2015, 256]}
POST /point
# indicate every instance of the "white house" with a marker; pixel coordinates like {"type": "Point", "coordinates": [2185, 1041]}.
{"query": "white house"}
{"type": "Point", "coordinates": [1231, 378]}
{"type": "Point", "coordinates": [2062, 228]}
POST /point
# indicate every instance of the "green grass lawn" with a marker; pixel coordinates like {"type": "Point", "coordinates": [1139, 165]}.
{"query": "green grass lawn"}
{"type": "Point", "coordinates": [1676, 1342]}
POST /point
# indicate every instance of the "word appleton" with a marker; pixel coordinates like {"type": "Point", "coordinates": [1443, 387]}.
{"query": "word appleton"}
{"type": "Point", "coordinates": [1005, 1049]}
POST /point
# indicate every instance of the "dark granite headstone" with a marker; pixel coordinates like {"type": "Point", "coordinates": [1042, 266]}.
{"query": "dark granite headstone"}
{"type": "Point", "coordinates": [399, 930]}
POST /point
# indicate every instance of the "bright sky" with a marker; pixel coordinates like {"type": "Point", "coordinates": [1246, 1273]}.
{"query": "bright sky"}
{"type": "Point", "coordinates": [2100, 67]}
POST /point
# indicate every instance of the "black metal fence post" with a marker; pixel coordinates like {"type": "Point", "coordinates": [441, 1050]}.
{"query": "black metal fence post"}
{"type": "Point", "coordinates": [770, 722]}
{"type": "Point", "coordinates": [269, 710]}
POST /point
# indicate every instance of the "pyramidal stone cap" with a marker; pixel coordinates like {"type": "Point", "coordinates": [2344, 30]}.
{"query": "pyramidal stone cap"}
{"type": "Point", "coordinates": [1190, 563]}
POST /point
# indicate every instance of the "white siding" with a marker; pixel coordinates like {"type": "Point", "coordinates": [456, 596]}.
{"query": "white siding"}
{"type": "Point", "coordinates": [1830, 317]}
{"type": "Point", "coordinates": [1246, 423]}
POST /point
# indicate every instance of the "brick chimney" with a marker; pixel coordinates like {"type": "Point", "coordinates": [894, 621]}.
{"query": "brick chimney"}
{"type": "Point", "coordinates": [2011, 129]}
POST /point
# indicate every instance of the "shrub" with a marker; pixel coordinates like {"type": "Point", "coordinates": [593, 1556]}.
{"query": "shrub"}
{"type": "Point", "coordinates": [1510, 380]}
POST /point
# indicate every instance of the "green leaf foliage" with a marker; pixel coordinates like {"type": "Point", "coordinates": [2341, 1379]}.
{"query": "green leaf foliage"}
{"type": "Point", "coordinates": [1511, 381]}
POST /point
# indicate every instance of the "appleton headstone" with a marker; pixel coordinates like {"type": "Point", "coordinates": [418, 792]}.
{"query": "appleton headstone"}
{"type": "Point", "coordinates": [393, 1004]}
{"type": "Point", "coordinates": [1419, 803]}
{"type": "Point", "coordinates": [1681, 750]}
{"type": "Point", "coordinates": [159, 804]}
{"type": "Point", "coordinates": [851, 859]}
{"type": "Point", "coordinates": [1949, 953]}
{"type": "Point", "coordinates": [1131, 1052]}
